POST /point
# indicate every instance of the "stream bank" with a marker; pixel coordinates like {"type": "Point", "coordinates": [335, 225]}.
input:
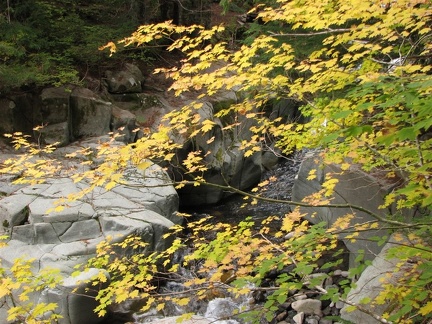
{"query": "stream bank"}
{"type": "Point", "coordinates": [236, 208]}
{"type": "Point", "coordinates": [221, 308]}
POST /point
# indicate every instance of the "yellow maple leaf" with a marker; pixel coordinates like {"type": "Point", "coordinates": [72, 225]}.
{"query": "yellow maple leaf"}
{"type": "Point", "coordinates": [312, 174]}
{"type": "Point", "coordinates": [426, 309]}
{"type": "Point", "coordinates": [207, 125]}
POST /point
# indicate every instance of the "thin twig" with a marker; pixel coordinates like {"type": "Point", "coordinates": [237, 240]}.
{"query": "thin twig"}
{"type": "Point", "coordinates": [300, 204]}
{"type": "Point", "coordinates": [324, 32]}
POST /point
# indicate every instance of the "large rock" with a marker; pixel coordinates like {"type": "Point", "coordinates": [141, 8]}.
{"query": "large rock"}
{"type": "Point", "coordinates": [13, 212]}
{"type": "Point", "coordinates": [227, 164]}
{"type": "Point", "coordinates": [55, 116]}
{"type": "Point", "coordinates": [123, 122]}
{"type": "Point", "coordinates": [66, 114]}
{"type": "Point", "coordinates": [91, 116]}
{"type": "Point", "coordinates": [127, 80]}
{"type": "Point", "coordinates": [19, 113]}
{"type": "Point", "coordinates": [75, 298]}
{"type": "Point", "coordinates": [354, 187]}
{"type": "Point", "coordinates": [58, 134]}
{"type": "Point", "coordinates": [371, 283]}
{"type": "Point", "coordinates": [308, 306]}
{"type": "Point", "coordinates": [287, 110]}
{"type": "Point", "coordinates": [144, 206]}
{"type": "Point", "coordinates": [7, 113]}
{"type": "Point", "coordinates": [55, 105]}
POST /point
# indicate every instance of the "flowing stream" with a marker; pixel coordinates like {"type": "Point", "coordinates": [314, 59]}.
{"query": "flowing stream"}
{"type": "Point", "coordinates": [235, 208]}
{"type": "Point", "coordinates": [232, 210]}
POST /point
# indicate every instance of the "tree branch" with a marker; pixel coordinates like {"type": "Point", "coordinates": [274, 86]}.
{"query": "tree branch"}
{"type": "Point", "coordinates": [300, 204]}
{"type": "Point", "coordinates": [324, 32]}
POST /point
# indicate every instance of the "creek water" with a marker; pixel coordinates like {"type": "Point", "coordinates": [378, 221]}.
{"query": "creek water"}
{"type": "Point", "coordinates": [235, 208]}
{"type": "Point", "coordinates": [232, 210]}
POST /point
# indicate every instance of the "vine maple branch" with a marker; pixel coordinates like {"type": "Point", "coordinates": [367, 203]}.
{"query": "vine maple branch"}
{"type": "Point", "coordinates": [324, 32]}
{"type": "Point", "coordinates": [300, 204]}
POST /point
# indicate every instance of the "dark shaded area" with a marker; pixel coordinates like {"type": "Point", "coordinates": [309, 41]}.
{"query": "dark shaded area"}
{"type": "Point", "coordinates": [45, 43]}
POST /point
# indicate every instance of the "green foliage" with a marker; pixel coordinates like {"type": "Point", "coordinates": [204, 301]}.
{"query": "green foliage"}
{"type": "Point", "coordinates": [52, 43]}
{"type": "Point", "coordinates": [131, 272]}
{"type": "Point", "coordinates": [233, 263]}
{"type": "Point", "coordinates": [18, 284]}
{"type": "Point", "coordinates": [365, 88]}
{"type": "Point", "coordinates": [364, 109]}
{"type": "Point", "coordinates": [412, 298]}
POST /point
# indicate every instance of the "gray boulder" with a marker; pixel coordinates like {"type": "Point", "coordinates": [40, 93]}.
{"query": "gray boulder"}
{"type": "Point", "coordinates": [19, 113]}
{"type": "Point", "coordinates": [75, 297]}
{"type": "Point", "coordinates": [55, 116]}
{"type": "Point", "coordinates": [220, 310]}
{"type": "Point", "coordinates": [307, 306]}
{"type": "Point", "coordinates": [144, 206]}
{"type": "Point", "coordinates": [227, 164]}
{"type": "Point", "coordinates": [123, 123]}
{"type": "Point", "coordinates": [90, 115]}
{"type": "Point", "coordinates": [382, 270]}
{"type": "Point", "coordinates": [7, 113]}
{"type": "Point", "coordinates": [54, 106]}
{"type": "Point", "coordinates": [58, 134]}
{"type": "Point", "coordinates": [13, 212]}
{"type": "Point", "coordinates": [66, 114]}
{"type": "Point", "coordinates": [354, 187]}
{"type": "Point", "coordinates": [128, 80]}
